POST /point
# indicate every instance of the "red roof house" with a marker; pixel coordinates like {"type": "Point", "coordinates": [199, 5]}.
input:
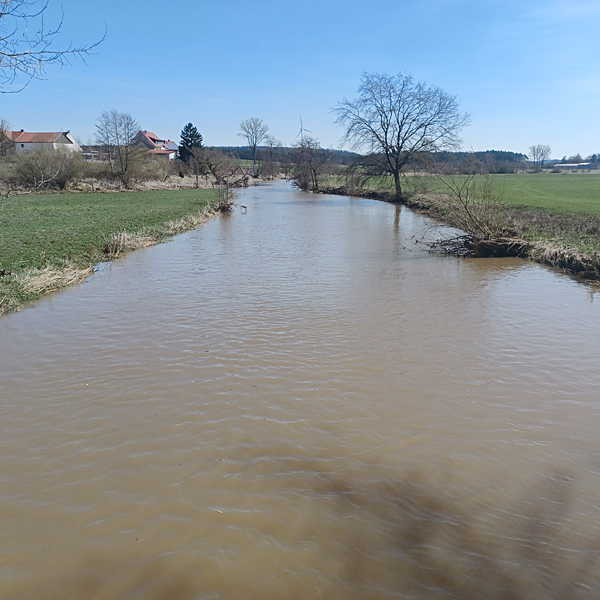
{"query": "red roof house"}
{"type": "Point", "coordinates": [163, 148]}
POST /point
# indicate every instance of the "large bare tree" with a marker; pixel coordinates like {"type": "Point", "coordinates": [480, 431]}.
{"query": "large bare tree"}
{"type": "Point", "coordinates": [395, 119]}
{"type": "Point", "coordinates": [116, 132]}
{"type": "Point", "coordinates": [539, 154]}
{"type": "Point", "coordinates": [254, 130]}
{"type": "Point", "coordinates": [28, 46]}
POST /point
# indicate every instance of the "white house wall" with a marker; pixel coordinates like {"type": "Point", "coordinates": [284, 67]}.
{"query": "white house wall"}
{"type": "Point", "coordinates": [26, 147]}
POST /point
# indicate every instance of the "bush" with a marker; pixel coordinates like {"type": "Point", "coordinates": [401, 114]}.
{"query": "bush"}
{"type": "Point", "coordinates": [46, 169]}
{"type": "Point", "coordinates": [99, 170]}
{"type": "Point", "coordinates": [150, 168]}
{"type": "Point", "coordinates": [473, 205]}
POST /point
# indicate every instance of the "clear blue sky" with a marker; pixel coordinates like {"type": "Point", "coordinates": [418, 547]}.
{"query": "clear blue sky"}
{"type": "Point", "coordinates": [528, 71]}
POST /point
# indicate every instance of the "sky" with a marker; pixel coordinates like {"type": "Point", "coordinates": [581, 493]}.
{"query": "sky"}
{"type": "Point", "coordinates": [527, 71]}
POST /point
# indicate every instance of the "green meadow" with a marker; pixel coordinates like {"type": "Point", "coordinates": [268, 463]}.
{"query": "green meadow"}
{"type": "Point", "coordinates": [51, 231]}
{"type": "Point", "coordinates": [554, 192]}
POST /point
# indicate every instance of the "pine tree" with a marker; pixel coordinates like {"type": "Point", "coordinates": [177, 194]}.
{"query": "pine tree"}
{"type": "Point", "coordinates": [190, 138]}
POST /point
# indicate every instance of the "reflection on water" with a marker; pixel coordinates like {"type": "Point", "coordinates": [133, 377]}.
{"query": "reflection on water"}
{"type": "Point", "coordinates": [300, 401]}
{"type": "Point", "coordinates": [343, 539]}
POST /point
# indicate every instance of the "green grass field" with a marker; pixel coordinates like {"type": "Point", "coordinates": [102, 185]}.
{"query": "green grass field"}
{"type": "Point", "coordinates": [554, 192]}
{"type": "Point", "coordinates": [247, 164]}
{"type": "Point", "coordinates": [50, 230]}
{"type": "Point", "coordinates": [37, 229]}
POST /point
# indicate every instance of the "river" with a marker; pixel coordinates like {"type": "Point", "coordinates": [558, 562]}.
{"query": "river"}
{"type": "Point", "coordinates": [300, 401]}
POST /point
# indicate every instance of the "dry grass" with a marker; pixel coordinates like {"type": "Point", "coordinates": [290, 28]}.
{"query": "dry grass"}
{"type": "Point", "coordinates": [126, 242]}
{"type": "Point", "coordinates": [17, 289]}
{"type": "Point", "coordinates": [7, 304]}
{"type": "Point", "coordinates": [51, 278]}
{"type": "Point", "coordinates": [570, 259]}
{"type": "Point", "coordinates": [472, 205]}
{"type": "Point", "coordinates": [189, 221]}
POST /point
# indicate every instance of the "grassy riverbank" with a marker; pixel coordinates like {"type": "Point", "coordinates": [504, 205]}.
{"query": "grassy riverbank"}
{"type": "Point", "coordinates": [556, 215]}
{"type": "Point", "coordinates": [556, 192]}
{"type": "Point", "coordinates": [49, 241]}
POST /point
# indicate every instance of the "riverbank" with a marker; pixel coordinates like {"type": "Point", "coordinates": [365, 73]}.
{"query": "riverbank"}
{"type": "Point", "coordinates": [50, 241]}
{"type": "Point", "coordinates": [555, 221]}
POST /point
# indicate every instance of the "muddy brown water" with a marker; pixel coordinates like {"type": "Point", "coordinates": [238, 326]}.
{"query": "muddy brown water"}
{"type": "Point", "coordinates": [301, 402]}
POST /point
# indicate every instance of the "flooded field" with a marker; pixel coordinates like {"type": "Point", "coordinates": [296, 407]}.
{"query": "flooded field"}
{"type": "Point", "coordinates": [302, 402]}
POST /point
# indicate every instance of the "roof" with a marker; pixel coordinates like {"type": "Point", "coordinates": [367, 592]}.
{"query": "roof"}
{"type": "Point", "coordinates": [35, 137]}
{"type": "Point", "coordinates": [152, 136]}
{"type": "Point", "coordinates": [161, 151]}
{"type": "Point", "coordinates": [156, 144]}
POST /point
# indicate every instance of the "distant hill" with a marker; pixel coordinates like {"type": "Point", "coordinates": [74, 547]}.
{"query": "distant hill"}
{"type": "Point", "coordinates": [488, 161]}
{"type": "Point", "coordinates": [341, 157]}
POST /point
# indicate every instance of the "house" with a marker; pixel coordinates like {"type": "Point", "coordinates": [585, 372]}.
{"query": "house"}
{"type": "Point", "coordinates": [155, 145]}
{"type": "Point", "coordinates": [582, 166]}
{"type": "Point", "coordinates": [26, 141]}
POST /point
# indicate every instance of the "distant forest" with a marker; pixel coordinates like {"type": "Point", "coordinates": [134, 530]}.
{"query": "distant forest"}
{"type": "Point", "coordinates": [339, 157]}
{"type": "Point", "coordinates": [489, 161]}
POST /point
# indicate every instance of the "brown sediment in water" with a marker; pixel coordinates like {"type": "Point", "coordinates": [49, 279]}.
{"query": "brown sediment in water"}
{"type": "Point", "coordinates": [365, 537]}
{"type": "Point", "coordinates": [299, 404]}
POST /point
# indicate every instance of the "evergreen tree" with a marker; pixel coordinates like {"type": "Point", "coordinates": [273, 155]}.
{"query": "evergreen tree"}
{"type": "Point", "coordinates": [191, 138]}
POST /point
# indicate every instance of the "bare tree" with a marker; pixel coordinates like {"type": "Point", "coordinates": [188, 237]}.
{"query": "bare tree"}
{"type": "Point", "coordinates": [254, 130]}
{"type": "Point", "coordinates": [396, 119]}
{"type": "Point", "coordinates": [116, 132]}
{"type": "Point", "coordinates": [224, 169]}
{"type": "Point", "coordinates": [197, 160]}
{"type": "Point", "coordinates": [27, 44]}
{"type": "Point", "coordinates": [539, 154]}
{"type": "Point", "coordinates": [309, 163]}
{"type": "Point", "coordinates": [270, 167]}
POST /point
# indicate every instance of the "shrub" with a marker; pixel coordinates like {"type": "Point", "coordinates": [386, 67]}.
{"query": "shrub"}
{"type": "Point", "coordinates": [47, 169]}
{"type": "Point", "coordinates": [473, 205]}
